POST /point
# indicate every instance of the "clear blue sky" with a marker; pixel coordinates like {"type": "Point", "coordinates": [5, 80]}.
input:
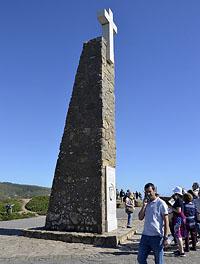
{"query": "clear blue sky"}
{"type": "Point", "coordinates": [157, 55]}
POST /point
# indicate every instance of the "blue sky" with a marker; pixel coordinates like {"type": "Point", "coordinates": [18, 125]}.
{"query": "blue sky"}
{"type": "Point", "coordinates": [157, 87]}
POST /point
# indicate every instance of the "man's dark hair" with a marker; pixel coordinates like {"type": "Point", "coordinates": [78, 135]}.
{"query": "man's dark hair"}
{"type": "Point", "coordinates": [149, 185]}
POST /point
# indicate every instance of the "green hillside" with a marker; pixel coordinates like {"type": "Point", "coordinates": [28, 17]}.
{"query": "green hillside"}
{"type": "Point", "coordinates": [12, 190]}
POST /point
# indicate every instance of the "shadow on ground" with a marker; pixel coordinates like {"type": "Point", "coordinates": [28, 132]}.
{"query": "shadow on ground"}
{"type": "Point", "coordinates": [131, 248]}
{"type": "Point", "coordinates": [128, 248]}
{"type": "Point", "coordinates": [10, 232]}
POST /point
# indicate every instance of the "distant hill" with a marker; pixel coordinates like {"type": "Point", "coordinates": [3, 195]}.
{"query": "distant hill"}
{"type": "Point", "coordinates": [13, 190]}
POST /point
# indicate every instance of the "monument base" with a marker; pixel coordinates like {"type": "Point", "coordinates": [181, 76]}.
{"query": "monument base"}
{"type": "Point", "coordinates": [110, 239]}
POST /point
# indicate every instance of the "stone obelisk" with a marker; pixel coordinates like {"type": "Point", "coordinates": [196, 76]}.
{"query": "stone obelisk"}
{"type": "Point", "coordinates": [83, 195]}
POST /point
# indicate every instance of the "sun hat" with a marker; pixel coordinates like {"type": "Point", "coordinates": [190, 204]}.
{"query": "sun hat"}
{"type": "Point", "coordinates": [178, 190]}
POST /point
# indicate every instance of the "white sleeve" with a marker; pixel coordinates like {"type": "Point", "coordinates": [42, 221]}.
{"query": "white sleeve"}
{"type": "Point", "coordinates": [164, 208]}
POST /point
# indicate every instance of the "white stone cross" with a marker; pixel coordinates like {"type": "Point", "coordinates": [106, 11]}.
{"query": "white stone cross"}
{"type": "Point", "coordinates": [109, 29]}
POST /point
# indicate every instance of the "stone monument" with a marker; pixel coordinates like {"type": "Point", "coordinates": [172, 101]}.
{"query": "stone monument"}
{"type": "Point", "coordinates": [83, 195]}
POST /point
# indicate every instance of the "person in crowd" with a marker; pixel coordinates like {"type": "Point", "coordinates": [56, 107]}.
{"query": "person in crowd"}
{"type": "Point", "coordinates": [122, 194]}
{"type": "Point", "coordinates": [127, 192]}
{"type": "Point", "coordinates": [126, 195]}
{"type": "Point", "coordinates": [9, 208]}
{"type": "Point", "coordinates": [196, 202]}
{"type": "Point", "coordinates": [197, 205]}
{"type": "Point", "coordinates": [136, 195]}
{"type": "Point", "coordinates": [195, 188]}
{"type": "Point", "coordinates": [190, 214]}
{"type": "Point", "coordinates": [156, 226]}
{"type": "Point", "coordinates": [129, 208]}
{"type": "Point", "coordinates": [117, 194]}
{"type": "Point", "coordinates": [170, 203]}
{"type": "Point", "coordinates": [194, 195]}
{"type": "Point", "coordinates": [140, 195]}
{"type": "Point", "coordinates": [179, 220]}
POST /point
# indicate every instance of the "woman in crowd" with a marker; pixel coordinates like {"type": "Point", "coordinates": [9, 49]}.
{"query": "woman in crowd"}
{"type": "Point", "coordinates": [190, 214]}
{"type": "Point", "coordinates": [179, 220]}
{"type": "Point", "coordinates": [129, 208]}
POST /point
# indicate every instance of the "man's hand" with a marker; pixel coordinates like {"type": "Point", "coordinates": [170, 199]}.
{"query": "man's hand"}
{"type": "Point", "coordinates": [142, 211]}
{"type": "Point", "coordinates": [165, 242]}
{"type": "Point", "coordinates": [145, 202]}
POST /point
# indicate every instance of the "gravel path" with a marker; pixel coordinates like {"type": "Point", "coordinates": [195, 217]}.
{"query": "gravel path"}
{"type": "Point", "coordinates": [20, 250]}
{"type": "Point", "coordinates": [24, 202]}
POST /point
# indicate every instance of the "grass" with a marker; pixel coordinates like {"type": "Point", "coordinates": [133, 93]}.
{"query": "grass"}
{"type": "Point", "coordinates": [17, 205]}
{"type": "Point", "coordinates": [5, 217]}
{"type": "Point", "coordinates": [37, 205]}
{"type": "Point", "coordinates": [16, 210]}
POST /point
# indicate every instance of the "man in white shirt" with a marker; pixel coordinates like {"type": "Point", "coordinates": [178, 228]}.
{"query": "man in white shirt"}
{"type": "Point", "coordinates": [156, 226]}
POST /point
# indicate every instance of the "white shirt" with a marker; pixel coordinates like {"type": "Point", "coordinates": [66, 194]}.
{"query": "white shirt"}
{"type": "Point", "coordinates": [154, 215]}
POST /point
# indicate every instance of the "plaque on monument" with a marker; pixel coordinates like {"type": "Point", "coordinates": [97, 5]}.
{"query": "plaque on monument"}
{"type": "Point", "coordinates": [111, 218]}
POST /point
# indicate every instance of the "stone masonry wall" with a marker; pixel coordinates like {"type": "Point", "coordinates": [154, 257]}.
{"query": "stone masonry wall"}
{"type": "Point", "coordinates": [77, 201]}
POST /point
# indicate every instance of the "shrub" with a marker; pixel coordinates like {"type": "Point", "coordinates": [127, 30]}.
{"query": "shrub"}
{"type": "Point", "coordinates": [16, 208]}
{"type": "Point", "coordinates": [38, 204]}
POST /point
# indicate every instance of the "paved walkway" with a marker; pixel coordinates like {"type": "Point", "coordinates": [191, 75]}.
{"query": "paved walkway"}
{"type": "Point", "coordinates": [20, 250]}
